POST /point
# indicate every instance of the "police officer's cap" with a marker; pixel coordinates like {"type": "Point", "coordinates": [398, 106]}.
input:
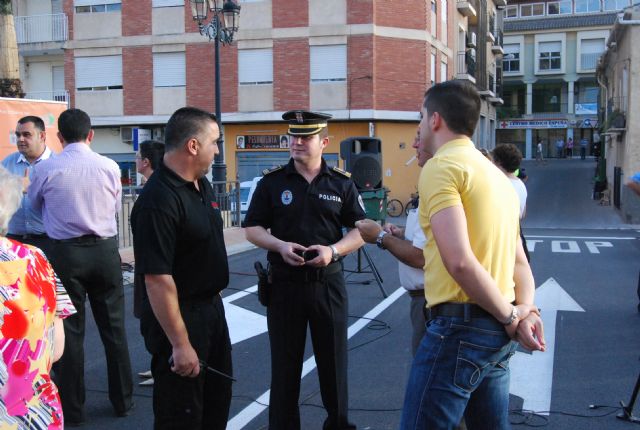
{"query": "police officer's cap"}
{"type": "Point", "coordinates": [305, 123]}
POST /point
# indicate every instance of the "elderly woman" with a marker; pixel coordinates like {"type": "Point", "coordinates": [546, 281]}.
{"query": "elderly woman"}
{"type": "Point", "coordinates": [32, 305]}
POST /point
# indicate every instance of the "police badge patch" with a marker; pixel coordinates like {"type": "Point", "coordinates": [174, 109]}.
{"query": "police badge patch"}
{"type": "Point", "coordinates": [286, 197]}
{"type": "Point", "coordinates": [361, 203]}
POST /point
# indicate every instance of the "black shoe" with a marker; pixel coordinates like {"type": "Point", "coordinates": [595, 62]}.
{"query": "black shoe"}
{"type": "Point", "coordinates": [126, 412]}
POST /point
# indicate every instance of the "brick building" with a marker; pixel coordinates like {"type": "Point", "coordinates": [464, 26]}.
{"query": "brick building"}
{"type": "Point", "coordinates": [130, 64]}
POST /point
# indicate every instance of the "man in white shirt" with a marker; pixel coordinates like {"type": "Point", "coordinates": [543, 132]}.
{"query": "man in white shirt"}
{"type": "Point", "coordinates": [406, 244]}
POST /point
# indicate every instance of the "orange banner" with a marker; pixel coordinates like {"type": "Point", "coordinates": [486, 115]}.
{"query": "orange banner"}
{"type": "Point", "coordinates": [11, 110]}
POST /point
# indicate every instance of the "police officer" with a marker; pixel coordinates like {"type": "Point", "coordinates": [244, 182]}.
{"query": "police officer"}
{"type": "Point", "coordinates": [306, 204]}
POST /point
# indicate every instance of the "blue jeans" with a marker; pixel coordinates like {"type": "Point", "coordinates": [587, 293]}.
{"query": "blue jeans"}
{"type": "Point", "coordinates": [460, 365]}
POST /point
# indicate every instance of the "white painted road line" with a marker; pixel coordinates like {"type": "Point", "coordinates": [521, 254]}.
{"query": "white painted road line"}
{"type": "Point", "coordinates": [246, 415]}
{"type": "Point", "coordinates": [582, 237]}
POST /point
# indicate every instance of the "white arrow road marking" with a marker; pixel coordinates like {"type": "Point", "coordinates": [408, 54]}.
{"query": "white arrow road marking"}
{"type": "Point", "coordinates": [243, 324]}
{"type": "Point", "coordinates": [256, 408]}
{"type": "Point", "coordinates": [532, 374]}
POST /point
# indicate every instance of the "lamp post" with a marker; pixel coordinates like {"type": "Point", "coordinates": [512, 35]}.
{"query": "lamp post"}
{"type": "Point", "coordinates": [221, 29]}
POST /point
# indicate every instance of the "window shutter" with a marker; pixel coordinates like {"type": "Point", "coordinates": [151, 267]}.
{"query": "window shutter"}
{"type": "Point", "coordinates": [592, 46]}
{"type": "Point", "coordinates": [329, 63]}
{"type": "Point", "coordinates": [94, 2]}
{"type": "Point", "coordinates": [167, 3]}
{"type": "Point", "coordinates": [169, 69]}
{"type": "Point", "coordinates": [98, 71]}
{"type": "Point", "coordinates": [255, 66]}
{"type": "Point", "coordinates": [550, 47]}
{"type": "Point", "coordinates": [512, 48]}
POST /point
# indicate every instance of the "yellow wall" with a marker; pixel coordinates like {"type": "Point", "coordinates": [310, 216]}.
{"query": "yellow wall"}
{"type": "Point", "coordinates": [397, 139]}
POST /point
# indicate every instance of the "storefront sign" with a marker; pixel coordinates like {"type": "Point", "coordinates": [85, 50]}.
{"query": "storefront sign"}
{"type": "Point", "coordinates": [263, 142]}
{"type": "Point", "coordinates": [586, 108]}
{"type": "Point", "coordinates": [587, 123]}
{"type": "Point", "coordinates": [533, 123]}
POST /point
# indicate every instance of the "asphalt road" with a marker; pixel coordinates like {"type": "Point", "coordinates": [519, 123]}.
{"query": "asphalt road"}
{"type": "Point", "coordinates": [585, 262]}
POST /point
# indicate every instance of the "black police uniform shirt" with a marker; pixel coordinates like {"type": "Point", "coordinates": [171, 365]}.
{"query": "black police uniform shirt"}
{"type": "Point", "coordinates": [178, 231]}
{"type": "Point", "coordinates": [301, 212]}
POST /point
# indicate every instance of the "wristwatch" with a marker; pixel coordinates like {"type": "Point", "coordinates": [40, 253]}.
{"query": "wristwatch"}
{"type": "Point", "coordinates": [335, 255]}
{"type": "Point", "coordinates": [512, 317]}
{"type": "Point", "coordinates": [379, 243]}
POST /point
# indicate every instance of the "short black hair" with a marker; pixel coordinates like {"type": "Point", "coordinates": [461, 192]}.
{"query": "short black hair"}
{"type": "Point", "coordinates": [36, 120]}
{"type": "Point", "coordinates": [457, 102]}
{"type": "Point", "coordinates": [185, 123]}
{"type": "Point", "coordinates": [507, 156]}
{"type": "Point", "coordinates": [74, 125]}
{"type": "Point", "coordinates": [153, 151]}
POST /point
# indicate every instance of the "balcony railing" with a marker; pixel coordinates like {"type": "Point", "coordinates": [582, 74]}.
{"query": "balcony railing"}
{"type": "Point", "coordinates": [58, 96]}
{"type": "Point", "coordinates": [41, 28]}
{"type": "Point", "coordinates": [507, 112]}
{"type": "Point", "coordinates": [589, 61]}
{"type": "Point", "coordinates": [616, 104]}
{"type": "Point", "coordinates": [466, 66]}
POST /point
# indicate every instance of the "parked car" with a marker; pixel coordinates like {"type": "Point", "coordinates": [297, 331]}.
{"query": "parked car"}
{"type": "Point", "coordinates": [246, 193]}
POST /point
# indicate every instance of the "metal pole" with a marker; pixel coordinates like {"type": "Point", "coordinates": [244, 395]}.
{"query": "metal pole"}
{"type": "Point", "coordinates": [219, 168]}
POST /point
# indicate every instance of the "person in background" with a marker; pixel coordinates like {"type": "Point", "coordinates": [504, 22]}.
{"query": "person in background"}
{"type": "Point", "coordinates": [26, 224]}
{"type": "Point", "coordinates": [33, 304]}
{"type": "Point", "coordinates": [508, 158]}
{"type": "Point", "coordinates": [79, 192]}
{"type": "Point", "coordinates": [634, 185]}
{"type": "Point", "coordinates": [406, 244]}
{"type": "Point", "coordinates": [148, 159]}
{"type": "Point", "coordinates": [539, 155]}
{"type": "Point", "coordinates": [584, 144]}
{"type": "Point", "coordinates": [560, 148]}
{"type": "Point", "coordinates": [570, 147]}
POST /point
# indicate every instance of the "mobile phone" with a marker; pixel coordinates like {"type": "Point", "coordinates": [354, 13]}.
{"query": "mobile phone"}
{"type": "Point", "coordinates": [310, 254]}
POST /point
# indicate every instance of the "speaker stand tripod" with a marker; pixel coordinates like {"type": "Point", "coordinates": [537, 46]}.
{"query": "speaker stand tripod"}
{"type": "Point", "coordinates": [627, 410]}
{"type": "Point", "coordinates": [372, 269]}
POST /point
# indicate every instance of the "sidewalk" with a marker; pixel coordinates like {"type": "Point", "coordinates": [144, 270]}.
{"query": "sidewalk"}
{"type": "Point", "coordinates": [233, 238]}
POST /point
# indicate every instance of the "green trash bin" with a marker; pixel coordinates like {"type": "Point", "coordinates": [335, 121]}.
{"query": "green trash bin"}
{"type": "Point", "coordinates": [375, 204]}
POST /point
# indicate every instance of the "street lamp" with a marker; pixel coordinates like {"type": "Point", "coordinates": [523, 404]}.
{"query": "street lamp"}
{"type": "Point", "coordinates": [221, 29]}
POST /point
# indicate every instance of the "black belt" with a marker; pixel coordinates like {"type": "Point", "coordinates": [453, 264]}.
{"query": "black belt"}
{"type": "Point", "coordinates": [285, 272]}
{"type": "Point", "coordinates": [27, 236]}
{"type": "Point", "coordinates": [87, 238]}
{"type": "Point", "coordinates": [458, 310]}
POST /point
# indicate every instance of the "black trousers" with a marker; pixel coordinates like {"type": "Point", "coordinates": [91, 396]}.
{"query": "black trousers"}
{"type": "Point", "coordinates": [90, 267]}
{"type": "Point", "coordinates": [201, 403]}
{"type": "Point", "coordinates": [323, 306]}
{"type": "Point", "coordinates": [39, 241]}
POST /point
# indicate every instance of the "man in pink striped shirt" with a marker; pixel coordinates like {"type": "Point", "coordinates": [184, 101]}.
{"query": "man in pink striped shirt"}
{"type": "Point", "coordinates": [79, 195]}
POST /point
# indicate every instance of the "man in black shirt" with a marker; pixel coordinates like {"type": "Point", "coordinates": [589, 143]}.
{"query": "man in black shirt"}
{"type": "Point", "coordinates": [306, 204]}
{"type": "Point", "coordinates": [179, 247]}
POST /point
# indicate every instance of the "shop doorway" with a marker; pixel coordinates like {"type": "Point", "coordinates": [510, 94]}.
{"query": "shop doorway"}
{"type": "Point", "coordinates": [549, 137]}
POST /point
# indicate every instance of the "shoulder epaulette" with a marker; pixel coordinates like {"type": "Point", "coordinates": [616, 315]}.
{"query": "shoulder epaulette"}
{"type": "Point", "coordinates": [265, 172]}
{"type": "Point", "coordinates": [342, 172]}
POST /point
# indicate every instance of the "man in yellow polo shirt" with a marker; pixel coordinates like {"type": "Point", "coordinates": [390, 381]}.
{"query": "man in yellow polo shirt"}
{"type": "Point", "coordinates": [479, 284]}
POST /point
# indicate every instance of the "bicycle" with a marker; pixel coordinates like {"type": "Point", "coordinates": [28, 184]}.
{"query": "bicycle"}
{"type": "Point", "coordinates": [394, 208]}
{"type": "Point", "coordinates": [411, 204]}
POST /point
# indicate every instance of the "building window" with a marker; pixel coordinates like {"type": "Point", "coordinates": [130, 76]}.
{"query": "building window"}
{"type": "Point", "coordinates": [547, 98]}
{"type": "Point", "coordinates": [511, 12]}
{"type": "Point", "coordinates": [615, 4]}
{"type": "Point", "coordinates": [511, 58]}
{"type": "Point", "coordinates": [255, 66]}
{"type": "Point", "coordinates": [167, 3]}
{"type": "Point", "coordinates": [588, 94]}
{"type": "Point", "coordinates": [534, 9]}
{"type": "Point", "coordinates": [99, 73]}
{"type": "Point", "coordinates": [559, 7]}
{"type": "Point", "coordinates": [443, 71]}
{"type": "Point", "coordinates": [169, 69]}
{"type": "Point", "coordinates": [328, 63]}
{"type": "Point", "coordinates": [585, 6]}
{"type": "Point", "coordinates": [590, 51]}
{"type": "Point", "coordinates": [549, 55]}
{"type": "Point", "coordinates": [434, 18]}
{"type": "Point", "coordinates": [97, 6]}
{"type": "Point", "coordinates": [444, 17]}
{"type": "Point", "coordinates": [433, 68]}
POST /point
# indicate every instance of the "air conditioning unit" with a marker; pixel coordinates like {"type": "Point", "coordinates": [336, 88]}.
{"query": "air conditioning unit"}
{"type": "Point", "coordinates": [472, 40]}
{"type": "Point", "coordinates": [472, 53]}
{"type": "Point", "coordinates": [158, 134]}
{"type": "Point", "coordinates": [126, 134]}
